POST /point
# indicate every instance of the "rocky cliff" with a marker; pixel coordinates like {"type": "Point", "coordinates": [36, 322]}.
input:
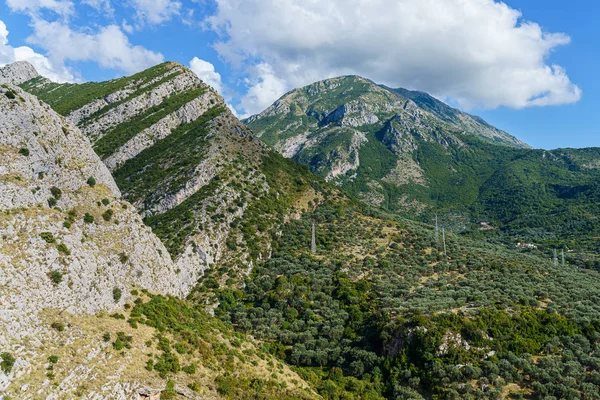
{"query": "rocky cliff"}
{"type": "Point", "coordinates": [211, 190]}
{"type": "Point", "coordinates": [17, 73]}
{"type": "Point", "coordinates": [69, 242]}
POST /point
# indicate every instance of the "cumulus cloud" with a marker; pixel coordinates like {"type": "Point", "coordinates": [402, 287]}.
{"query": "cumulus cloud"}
{"type": "Point", "coordinates": [206, 72]}
{"type": "Point", "coordinates": [156, 11]}
{"type": "Point", "coordinates": [479, 53]}
{"type": "Point", "coordinates": [63, 7]}
{"type": "Point", "coordinates": [9, 54]}
{"type": "Point", "coordinates": [264, 87]}
{"type": "Point", "coordinates": [109, 47]}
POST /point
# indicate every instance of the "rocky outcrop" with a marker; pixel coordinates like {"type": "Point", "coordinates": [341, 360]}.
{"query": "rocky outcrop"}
{"type": "Point", "coordinates": [148, 137]}
{"type": "Point", "coordinates": [69, 242]}
{"type": "Point", "coordinates": [17, 73]}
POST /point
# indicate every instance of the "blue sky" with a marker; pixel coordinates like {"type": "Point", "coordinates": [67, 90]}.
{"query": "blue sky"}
{"type": "Point", "coordinates": [528, 67]}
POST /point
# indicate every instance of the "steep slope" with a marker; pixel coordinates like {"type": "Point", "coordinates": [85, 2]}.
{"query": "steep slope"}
{"type": "Point", "coordinates": [73, 252]}
{"type": "Point", "coordinates": [17, 73]}
{"type": "Point", "coordinates": [69, 242]}
{"type": "Point", "coordinates": [209, 189]}
{"type": "Point", "coordinates": [416, 156]}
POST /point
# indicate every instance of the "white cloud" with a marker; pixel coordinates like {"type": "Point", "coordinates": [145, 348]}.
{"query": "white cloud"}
{"type": "Point", "coordinates": [9, 54]}
{"type": "Point", "coordinates": [63, 7]}
{"type": "Point", "coordinates": [480, 53]}
{"type": "Point", "coordinates": [109, 47]}
{"type": "Point", "coordinates": [100, 5]}
{"type": "Point", "coordinates": [156, 11]}
{"type": "Point", "coordinates": [126, 27]}
{"type": "Point", "coordinates": [206, 72]}
{"type": "Point", "coordinates": [264, 87]}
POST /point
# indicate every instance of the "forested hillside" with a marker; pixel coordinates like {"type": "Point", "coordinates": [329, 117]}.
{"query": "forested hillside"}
{"type": "Point", "coordinates": [413, 155]}
{"type": "Point", "coordinates": [383, 310]}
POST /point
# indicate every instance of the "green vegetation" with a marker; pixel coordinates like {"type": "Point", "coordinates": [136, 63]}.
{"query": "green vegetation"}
{"type": "Point", "coordinates": [56, 276]}
{"type": "Point", "coordinates": [53, 359]}
{"type": "Point", "coordinates": [108, 214]}
{"type": "Point", "coordinates": [24, 152]}
{"type": "Point", "coordinates": [122, 341]}
{"type": "Point", "coordinates": [63, 249]}
{"type": "Point", "coordinates": [48, 237]}
{"type": "Point", "coordinates": [8, 360]}
{"type": "Point", "coordinates": [91, 181]}
{"type": "Point", "coordinates": [117, 293]}
{"type": "Point", "coordinates": [58, 326]}
{"type": "Point", "coordinates": [65, 98]}
{"type": "Point", "coordinates": [56, 192]}
{"type": "Point", "coordinates": [88, 218]}
{"type": "Point", "coordinates": [368, 316]}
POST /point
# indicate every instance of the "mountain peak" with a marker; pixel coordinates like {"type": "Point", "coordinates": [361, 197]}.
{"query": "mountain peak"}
{"type": "Point", "coordinates": [18, 72]}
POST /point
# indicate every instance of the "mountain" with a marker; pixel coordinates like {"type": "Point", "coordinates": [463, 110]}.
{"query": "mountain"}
{"type": "Point", "coordinates": [88, 293]}
{"type": "Point", "coordinates": [382, 307]}
{"type": "Point", "coordinates": [416, 156]}
{"type": "Point", "coordinates": [211, 190]}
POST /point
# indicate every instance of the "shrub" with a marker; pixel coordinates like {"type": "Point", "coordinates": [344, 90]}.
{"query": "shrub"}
{"type": "Point", "coordinates": [56, 192]}
{"type": "Point", "coordinates": [169, 392]}
{"type": "Point", "coordinates": [108, 214]}
{"type": "Point", "coordinates": [168, 362]}
{"type": "Point", "coordinates": [117, 293]}
{"type": "Point", "coordinates": [123, 258]}
{"type": "Point", "coordinates": [106, 337]}
{"type": "Point", "coordinates": [91, 181]}
{"type": "Point", "coordinates": [48, 237]}
{"type": "Point", "coordinates": [7, 362]}
{"type": "Point", "coordinates": [194, 386]}
{"type": "Point", "coordinates": [149, 365]}
{"type": "Point", "coordinates": [10, 94]}
{"type": "Point", "coordinates": [123, 341]}
{"type": "Point", "coordinates": [67, 224]}
{"type": "Point", "coordinates": [88, 218]}
{"type": "Point", "coordinates": [56, 276]}
{"type": "Point", "coordinates": [24, 152]}
{"type": "Point", "coordinates": [53, 359]}
{"type": "Point", "coordinates": [190, 369]}
{"type": "Point", "coordinates": [105, 202]}
{"type": "Point", "coordinates": [51, 202]}
{"type": "Point", "coordinates": [63, 249]}
{"type": "Point", "coordinates": [59, 326]}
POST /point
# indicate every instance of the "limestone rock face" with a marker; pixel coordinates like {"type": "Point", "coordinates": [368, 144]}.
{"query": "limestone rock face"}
{"type": "Point", "coordinates": [366, 137]}
{"type": "Point", "coordinates": [69, 242]}
{"type": "Point", "coordinates": [17, 73]}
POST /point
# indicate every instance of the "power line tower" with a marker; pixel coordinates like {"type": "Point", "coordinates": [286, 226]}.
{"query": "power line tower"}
{"type": "Point", "coordinates": [313, 243]}
{"type": "Point", "coordinates": [437, 232]}
{"type": "Point", "coordinates": [444, 237]}
{"type": "Point", "coordinates": [555, 258]}
{"type": "Point", "coordinates": [563, 257]}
